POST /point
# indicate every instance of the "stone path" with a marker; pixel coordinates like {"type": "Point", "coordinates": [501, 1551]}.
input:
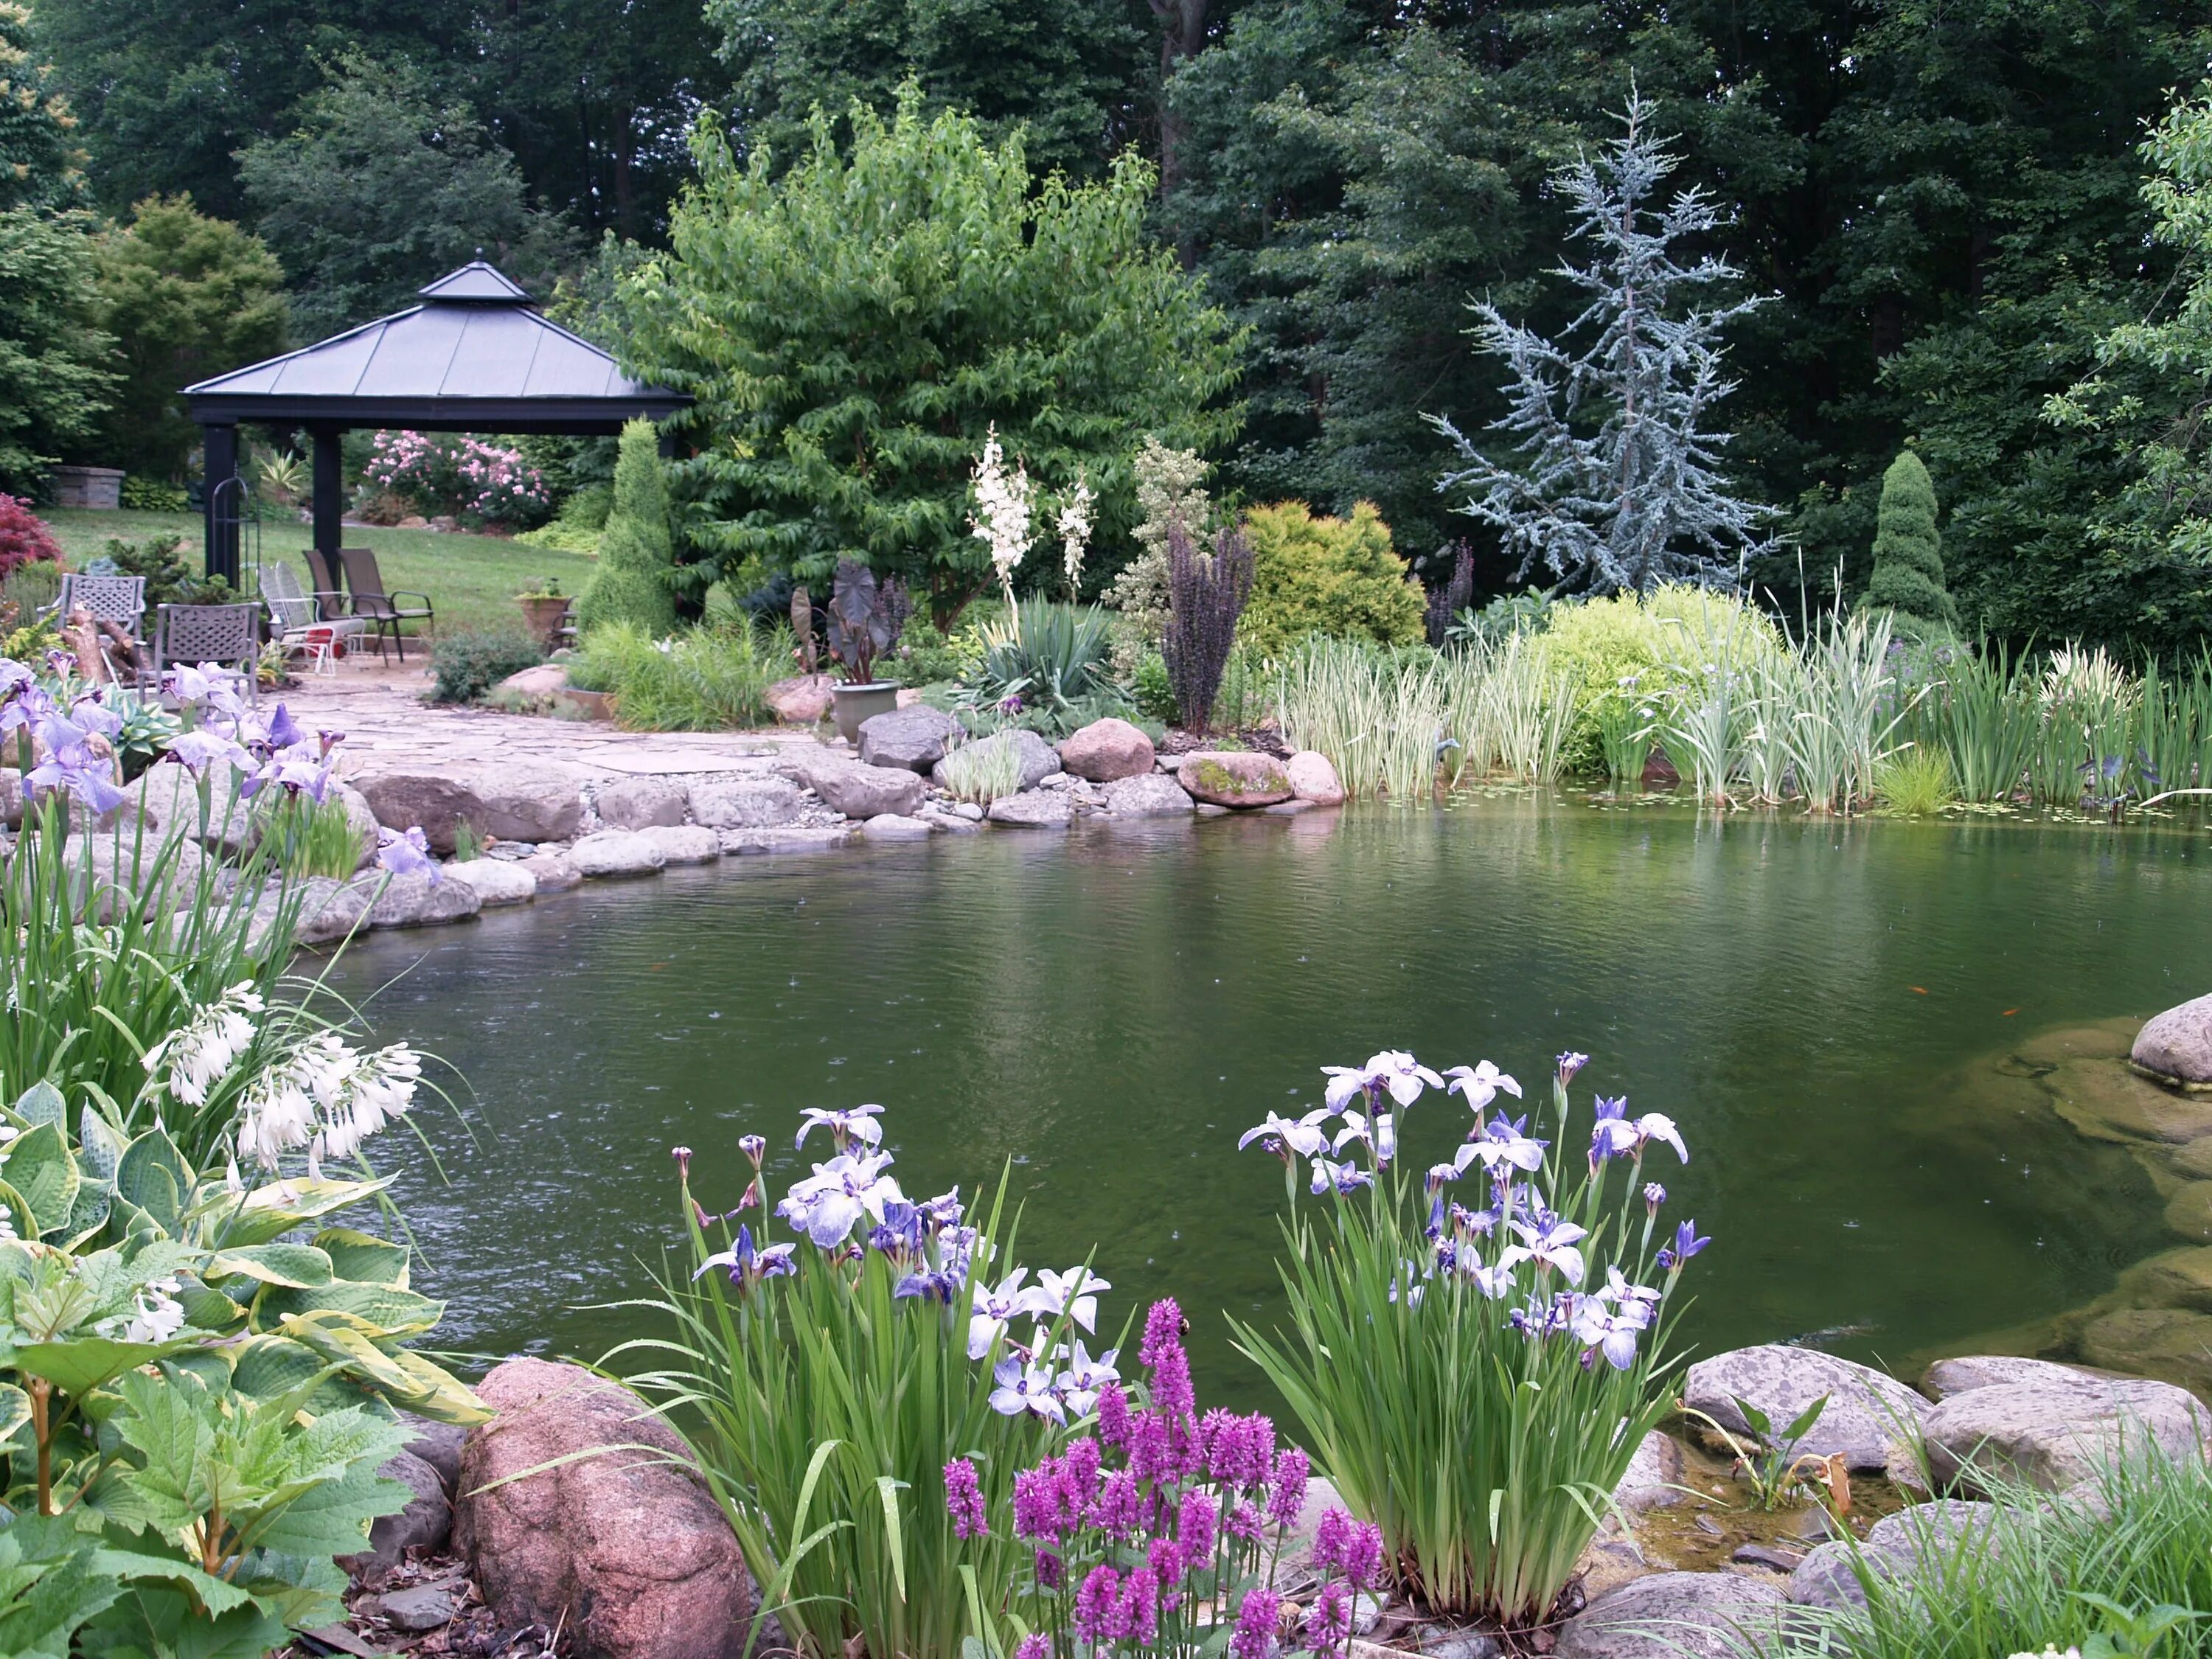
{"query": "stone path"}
{"type": "Point", "coordinates": [380, 708]}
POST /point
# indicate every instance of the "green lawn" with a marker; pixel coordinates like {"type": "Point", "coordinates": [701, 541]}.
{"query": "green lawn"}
{"type": "Point", "coordinates": [472, 580]}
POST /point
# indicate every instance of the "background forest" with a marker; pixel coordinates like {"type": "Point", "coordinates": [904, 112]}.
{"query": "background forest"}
{"type": "Point", "coordinates": [1946, 203]}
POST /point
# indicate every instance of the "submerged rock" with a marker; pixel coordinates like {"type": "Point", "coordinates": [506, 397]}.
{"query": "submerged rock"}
{"type": "Point", "coordinates": [1675, 1615]}
{"type": "Point", "coordinates": [622, 1545]}
{"type": "Point", "coordinates": [1869, 1417]}
{"type": "Point", "coordinates": [2105, 1101]}
{"type": "Point", "coordinates": [894, 826]}
{"type": "Point", "coordinates": [2172, 1279]}
{"type": "Point", "coordinates": [2173, 1344]}
{"type": "Point", "coordinates": [2177, 1045]}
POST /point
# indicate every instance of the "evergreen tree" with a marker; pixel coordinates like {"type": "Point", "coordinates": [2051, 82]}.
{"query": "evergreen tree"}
{"type": "Point", "coordinates": [1621, 487]}
{"type": "Point", "coordinates": [1908, 550]}
{"type": "Point", "coordinates": [637, 552]}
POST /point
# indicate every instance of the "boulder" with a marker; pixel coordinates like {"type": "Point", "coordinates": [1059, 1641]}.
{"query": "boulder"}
{"type": "Point", "coordinates": [726, 801]}
{"type": "Point", "coordinates": [1313, 776]}
{"type": "Point", "coordinates": [951, 822]}
{"type": "Point", "coordinates": [541, 681]}
{"type": "Point", "coordinates": [616, 853]}
{"type": "Point", "coordinates": [853, 787]}
{"type": "Point", "coordinates": [495, 881]}
{"type": "Point", "coordinates": [1675, 1615]}
{"type": "Point", "coordinates": [2189, 1210]}
{"type": "Point", "coordinates": [1152, 796]}
{"type": "Point", "coordinates": [359, 818]}
{"type": "Point", "coordinates": [683, 843]}
{"type": "Point", "coordinates": [1867, 1413]}
{"type": "Point", "coordinates": [328, 910]}
{"type": "Point", "coordinates": [1034, 809]}
{"type": "Point", "coordinates": [1948, 1376]}
{"type": "Point", "coordinates": [420, 901]}
{"type": "Point", "coordinates": [1933, 1534]}
{"type": "Point", "coordinates": [2105, 1101]}
{"type": "Point", "coordinates": [405, 799]}
{"type": "Point", "coordinates": [424, 1524]}
{"type": "Point", "coordinates": [1107, 749]}
{"type": "Point", "coordinates": [624, 1548]}
{"type": "Point", "coordinates": [126, 863]}
{"type": "Point", "coordinates": [787, 838]}
{"type": "Point", "coordinates": [894, 826]}
{"type": "Point", "coordinates": [166, 799]}
{"type": "Point", "coordinates": [1234, 777]}
{"type": "Point", "coordinates": [528, 801]}
{"type": "Point", "coordinates": [554, 872]}
{"type": "Point", "coordinates": [423, 1608]}
{"type": "Point", "coordinates": [915, 738]}
{"type": "Point", "coordinates": [645, 803]}
{"type": "Point", "coordinates": [1653, 1480]}
{"type": "Point", "coordinates": [2055, 1431]}
{"type": "Point", "coordinates": [2177, 1045]}
{"type": "Point", "coordinates": [438, 1444]}
{"type": "Point", "coordinates": [802, 700]}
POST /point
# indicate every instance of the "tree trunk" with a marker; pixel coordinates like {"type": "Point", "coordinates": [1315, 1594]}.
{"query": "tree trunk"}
{"type": "Point", "coordinates": [1183, 34]}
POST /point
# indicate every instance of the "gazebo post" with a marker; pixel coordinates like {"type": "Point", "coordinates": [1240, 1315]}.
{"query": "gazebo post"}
{"type": "Point", "coordinates": [328, 508]}
{"type": "Point", "coordinates": [219, 536]}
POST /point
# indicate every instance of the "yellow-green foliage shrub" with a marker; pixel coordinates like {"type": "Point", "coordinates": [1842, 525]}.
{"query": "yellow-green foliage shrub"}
{"type": "Point", "coordinates": [1597, 643]}
{"type": "Point", "coordinates": [1337, 577]}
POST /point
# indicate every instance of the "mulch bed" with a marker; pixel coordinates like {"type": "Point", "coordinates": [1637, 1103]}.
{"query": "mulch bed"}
{"type": "Point", "coordinates": [473, 1633]}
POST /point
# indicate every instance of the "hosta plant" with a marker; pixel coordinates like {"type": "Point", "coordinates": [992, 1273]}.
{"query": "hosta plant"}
{"type": "Point", "coordinates": [1474, 1380]}
{"type": "Point", "coordinates": [825, 1381]}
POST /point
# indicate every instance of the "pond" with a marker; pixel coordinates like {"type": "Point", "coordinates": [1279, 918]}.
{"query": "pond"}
{"type": "Point", "coordinates": [1813, 1001]}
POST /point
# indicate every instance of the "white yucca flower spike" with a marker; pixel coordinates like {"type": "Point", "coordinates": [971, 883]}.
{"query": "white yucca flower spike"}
{"type": "Point", "coordinates": [199, 1054]}
{"type": "Point", "coordinates": [1004, 507]}
{"type": "Point", "coordinates": [1075, 532]}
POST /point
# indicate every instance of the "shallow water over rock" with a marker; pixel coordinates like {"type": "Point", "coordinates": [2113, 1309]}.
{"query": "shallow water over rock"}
{"type": "Point", "coordinates": [1855, 1024]}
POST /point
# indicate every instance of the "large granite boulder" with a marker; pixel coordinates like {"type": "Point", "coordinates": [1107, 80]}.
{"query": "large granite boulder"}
{"type": "Point", "coordinates": [1675, 1615]}
{"type": "Point", "coordinates": [1039, 760]}
{"type": "Point", "coordinates": [496, 881]}
{"type": "Point", "coordinates": [542, 681]}
{"type": "Point", "coordinates": [802, 700]}
{"type": "Point", "coordinates": [424, 1524]}
{"type": "Point", "coordinates": [2055, 1430]}
{"type": "Point", "coordinates": [328, 909]}
{"type": "Point", "coordinates": [2177, 1045]}
{"type": "Point", "coordinates": [1653, 1480]}
{"type": "Point", "coordinates": [853, 787]}
{"type": "Point", "coordinates": [893, 826]}
{"type": "Point", "coordinates": [554, 872]}
{"type": "Point", "coordinates": [1313, 775]}
{"type": "Point", "coordinates": [1152, 796]}
{"type": "Point", "coordinates": [644, 803]}
{"type": "Point", "coordinates": [1034, 809]}
{"type": "Point", "coordinates": [126, 865]}
{"type": "Point", "coordinates": [1234, 777]}
{"type": "Point", "coordinates": [405, 798]}
{"type": "Point", "coordinates": [1930, 1535]}
{"type": "Point", "coordinates": [1869, 1418]}
{"type": "Point", "coordinates": [420, 901]}
{"type": "Point", "coordinates": [745, 800]}
{"type": "Point", "coordinates": [616, 853]}
{"type": "Point", "coordinates": [166, 799]}
{"type": "Point", "coordinates": [1948, 1376]}
{"type": "Point", "coordinates": [622, 1546]}
{"type": "Point", "coordinates": [683, 843]}
{"type": "Point", "coordinates": [1107, 749]}
{"type": "Point", "coordinates": [527, 800]}
{"type": "Point", "coordinates": [915, 738]}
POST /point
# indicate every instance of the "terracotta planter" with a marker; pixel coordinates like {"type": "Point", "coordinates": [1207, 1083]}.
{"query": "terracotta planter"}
{"type": "Point", "coordinates": [543, 618]}
{"type": "Point", "coordinates": [856, 703]}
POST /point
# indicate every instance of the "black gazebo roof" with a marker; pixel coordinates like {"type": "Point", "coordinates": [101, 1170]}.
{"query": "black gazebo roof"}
{"type": "Point", "coordinates": [475, 356]}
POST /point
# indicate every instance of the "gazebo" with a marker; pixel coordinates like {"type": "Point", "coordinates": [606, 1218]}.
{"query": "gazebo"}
{"type": "Point", "coordinates": [475, 356]}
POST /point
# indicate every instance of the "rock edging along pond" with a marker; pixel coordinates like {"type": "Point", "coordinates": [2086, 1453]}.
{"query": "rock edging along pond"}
{"type": "Point", "coordinates": [511, 831]}
{"type": "Point", "coordinates": [614, 1535]}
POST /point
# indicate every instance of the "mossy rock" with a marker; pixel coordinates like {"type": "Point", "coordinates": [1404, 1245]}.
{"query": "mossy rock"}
{"type": "Point", "coordinates": [2107, 1102]}
{"type": "Point", "coordinates": [2188, 1212]}
{"type": "Point", "coordinates": [2105, 1039]}
{"type": "Point", "coordinates": [2157, 1161]}
{"type": "Point", "coordinates": [2192, 1162]}
{"type": "Point", "coordinates": [2173, 1344]}
{"type": "Point", "coordinates": [2172, 1279]}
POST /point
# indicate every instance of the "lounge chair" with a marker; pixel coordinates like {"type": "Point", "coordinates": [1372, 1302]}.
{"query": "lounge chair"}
{"type": "Point", "coordinates": [299, 624]}
{"type": "Point", "coordinates": [329, 598]}
{"type": "Point", "coordinates": [383, 610]}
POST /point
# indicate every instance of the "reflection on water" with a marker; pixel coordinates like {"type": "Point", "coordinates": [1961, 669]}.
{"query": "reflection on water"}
{"type": "Point", "coordinates": [1106, 1012]}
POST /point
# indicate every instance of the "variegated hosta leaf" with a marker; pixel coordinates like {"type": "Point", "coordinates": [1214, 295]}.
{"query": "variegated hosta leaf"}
{"type": "Point", "coordinates": [363, 1257]}
{"type": "Point", "coordinates": [272, 1211]}
{"type": "Point", "coordinates": [406, 1379]}
{"type": "Point", "coordinates": [15, 1413]}
{"type": "Point", "coordinates": [393, 1312]}
{"type": "Point", "coordinates": [294, 1267]}
{"type": "Point", "coordinates": [39, 1166]}
{"type": "Point", "coordinates": [42, 1104]}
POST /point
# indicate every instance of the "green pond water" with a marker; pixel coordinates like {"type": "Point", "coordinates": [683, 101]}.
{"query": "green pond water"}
{"type": "Point", "coordinates": [1817, 1003]}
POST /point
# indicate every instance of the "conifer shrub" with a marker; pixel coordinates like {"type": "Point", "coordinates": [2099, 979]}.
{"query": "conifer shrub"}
{"type": "Point", "coordinates": [1908, 550]}
{"type": "Point", "coordinates": [636, 551]}
{"type": "Point", "coordinates": [1336, 577]}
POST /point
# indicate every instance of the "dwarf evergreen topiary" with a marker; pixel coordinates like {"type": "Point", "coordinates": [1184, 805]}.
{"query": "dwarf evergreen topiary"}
{"type": "Point", "coordinates": [1908, 550]}
{"type": "Point", "coordinates": [1316, 575]}
{"type": "Point", "coordinates": [636, 551]}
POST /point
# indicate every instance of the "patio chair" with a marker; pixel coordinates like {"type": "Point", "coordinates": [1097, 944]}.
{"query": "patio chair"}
{"type": "Point", "coordinates": [329, 598]}
{"type": "Point", "coordinates": [117, 605]}
{"type": "Point", "coordinates": [299, 624]}
{"type": "Point", "coordinates": [383, 609]}
{"type": "Point", "coordinates": [228, 636]}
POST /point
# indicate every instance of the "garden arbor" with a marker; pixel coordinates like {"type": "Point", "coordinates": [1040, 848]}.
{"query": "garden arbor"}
{"type": "Point", "coordinates": [475, 356]}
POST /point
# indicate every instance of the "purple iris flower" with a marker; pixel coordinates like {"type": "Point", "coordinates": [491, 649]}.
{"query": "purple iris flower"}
{"type": "Point", "coordinates": [750, 1264]}
{"type": "Point", "coordinates": [1393, 1071]}
{"type": "Point", "coordinates": [1503, 1146]}
{"type": "Point", "coordinates": [1380, 1135]}
{"type": "Point", "coordinates": [1687, 1244]}
{"type": "Point", "coordinates": [1305, 1136]}
{"type": "Point", "coordinates": [942, 1212]}
{"type": "Point", "coordinates": [1481, 1085]}
{"type": "Point", "coordinates": [995, 1308]}
{"type": "Point", "coordinates": [284, 730]}
{"type": "Point", "coordinates": [1607, 1332]}
{"type": "Point", "coordinates": [855, 1123]}
{"type": "Point", "coordinates": [1653, 1126]}
{"type": "Point", "coordinates": [752, 1146]}
{"type": "Point", "coordinates": [825, 1206]}
{"type": "Point", "coordinates": [199, 749]}
{"type": "Point", "coordinates": [1550, 1243]}
{"type": "Point", "coordinates": [1654, 1196]}
{"type": "Point", "coordinates": [1343, 1177]}
{"type": "Point", "coordinates": [1074, 1293]}
{"type": "Point", "coordinates": [92, 715]}
{"type": "Point", "coordinates": [406, 854]}
{"type": "Point", "coordinates": [1029, 1388]}
{"type": "Point", "coordinates": [1085, 1379]}
{"type": "Point", "coordinates": [1612, 1135]}
{"type": "Point", "coordinates": [1570, 1063]}
{"type": "Point", "coordinates": [73, 765]}
{"type": "Point", "coordinates": [1495, 1283]}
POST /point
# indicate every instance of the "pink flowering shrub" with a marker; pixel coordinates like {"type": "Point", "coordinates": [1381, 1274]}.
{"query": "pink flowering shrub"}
{"type": "Point", "coordinates": [460, 476]}
{"type": "Point", "coordinates": [1164, 1529]}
